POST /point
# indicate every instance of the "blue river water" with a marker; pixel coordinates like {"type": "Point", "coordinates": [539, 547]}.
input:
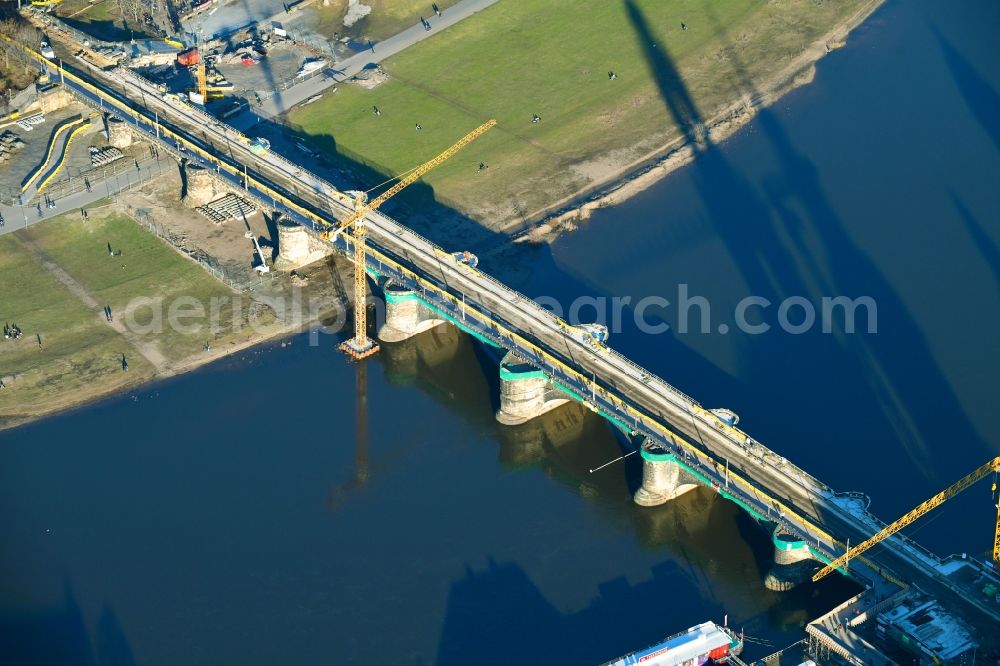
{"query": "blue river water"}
{"type": "Point", "coordinates": [266, 510]}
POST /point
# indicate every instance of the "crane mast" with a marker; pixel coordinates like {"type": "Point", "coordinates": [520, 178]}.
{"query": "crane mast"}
{"type": "Point", "coordinates": [361, 346]}
{"type": "Point", "coordinates": [920, 510]}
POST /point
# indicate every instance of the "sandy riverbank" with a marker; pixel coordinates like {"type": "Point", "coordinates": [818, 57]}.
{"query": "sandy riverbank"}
{"type": "Point", "coordinates": [617, 185]}
{"type": "Point", "coordinates": [78, 364]}
{"type": "Point", "coordinates": [83, 399]}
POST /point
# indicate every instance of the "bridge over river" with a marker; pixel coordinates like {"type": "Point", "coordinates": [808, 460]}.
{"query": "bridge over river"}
{"type": "Point", "coordinates": [548, 362]}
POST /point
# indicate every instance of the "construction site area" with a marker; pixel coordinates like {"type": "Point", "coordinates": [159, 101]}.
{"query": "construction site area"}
{"type": "Point", "coordinates": [139, 176]}
{"type": "Point", "coordinates": [81, 186]}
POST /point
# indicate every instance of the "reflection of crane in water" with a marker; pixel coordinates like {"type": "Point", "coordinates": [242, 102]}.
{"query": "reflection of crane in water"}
{"type": "Point", "coordinates": [361, 346]}
{"type": "Point", "coordinates": [340, 492]}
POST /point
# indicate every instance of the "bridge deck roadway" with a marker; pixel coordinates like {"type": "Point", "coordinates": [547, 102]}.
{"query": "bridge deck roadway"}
{"type": "Point", "coordinates": [765, 482]}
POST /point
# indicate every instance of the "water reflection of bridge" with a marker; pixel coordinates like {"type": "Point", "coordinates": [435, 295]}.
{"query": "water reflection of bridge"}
{"type": "Point", "coordinates": [717, 548]}
{"type": "Point", "coordinates": [547, 363]}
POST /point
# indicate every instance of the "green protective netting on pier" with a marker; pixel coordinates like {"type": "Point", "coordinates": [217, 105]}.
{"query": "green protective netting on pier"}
{"type": "Point", "coordinates": [505, 374]}
{"type": "Point", "coordinates": [789, 545]}
{"type": "Point", "coordinates": [454, 321]}
{"type": "Point", "coordinates": [672, 458]}
{"type": "Point", "coordinates": [391, 297]}
{"type": "Point", "coordinates": [655, 457]}
{"type": "Point", "coordinates": [621, 425]}
{"type": "Point", "coordinates": [509, 376]}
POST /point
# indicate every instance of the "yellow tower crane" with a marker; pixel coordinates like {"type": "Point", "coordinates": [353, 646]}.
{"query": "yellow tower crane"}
{"type": "Point", "coordinates": [932, 503]}
{"type": "Point", "coordinates": [202, 80]}
{"type": "Point", "coordinates": [361, 346]}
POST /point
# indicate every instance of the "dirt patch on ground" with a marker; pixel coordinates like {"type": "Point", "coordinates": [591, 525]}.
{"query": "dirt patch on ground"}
{"type": "Point", "coordinates": [270, 306]}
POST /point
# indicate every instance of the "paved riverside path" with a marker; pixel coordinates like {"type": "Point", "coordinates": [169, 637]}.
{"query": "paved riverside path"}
{"type": "Point", "coordinates": [284, 100]}
{"type": "Point", "coordinates": [18, 217]}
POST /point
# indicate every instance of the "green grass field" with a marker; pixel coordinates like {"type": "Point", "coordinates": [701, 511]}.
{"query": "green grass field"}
{"type": "Point", "coordinates": [81, 354]}
{"type": "Point", "coordinates": [387, 18]}
{"type": "Point", "coordinates": [78, 350]}
{"type": "Point", "coordinates": [552, 57]}
{"type": "Point", "coordinates": [152, 270]}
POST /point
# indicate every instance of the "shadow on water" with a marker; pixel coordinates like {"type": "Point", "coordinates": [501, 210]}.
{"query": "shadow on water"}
{"type": "Point", "coordinates": [59, 637]}
{"type": "Point", "coordinates": [715, 555]}
{"type": "Point", "coordinates": [987, 247]}
{"type": "Point", "coordinates": [113, 648]}
{"type": "Point", "coordinates": [774, 256]}
{"type": "Point", "coordinates": [499, 616]}
{"type": "Point", "coordinates": [982, 100]}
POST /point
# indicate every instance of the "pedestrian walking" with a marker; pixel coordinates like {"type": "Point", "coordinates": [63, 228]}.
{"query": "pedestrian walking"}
{"type": "Point", "coordinates": [435, 8]}
{"type": "Point", "coordinates": [371, 46]}
{"type": "Point", "coordinates": [376, 111]}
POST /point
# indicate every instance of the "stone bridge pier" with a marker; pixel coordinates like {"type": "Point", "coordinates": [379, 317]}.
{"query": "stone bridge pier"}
{"type": "Point", "coordinates": [405, 314]}
{"type": "Point", "coordinates": [525, 391]}
{"type": "Point", "coordinates": [663, 479]}
{"type": "Point", "coordinates": [793, 561]}
{"type": "Point", "coordinates": [296, 246]}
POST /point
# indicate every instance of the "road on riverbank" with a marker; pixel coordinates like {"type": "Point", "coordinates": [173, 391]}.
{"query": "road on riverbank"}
{"type": "Point", "coordinates": [282, 101]}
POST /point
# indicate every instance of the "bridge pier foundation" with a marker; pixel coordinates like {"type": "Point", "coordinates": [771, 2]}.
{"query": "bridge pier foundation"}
{"type": "Point", "coordinates": [405, 315]}
{"type": "Point", "coordinates": [296, 246]}
{"type": "Point", "coordinates": [525, 391]}
{"type": "Point", "coordinates": [793, 562]}
{"type": "Point", "coordinates": [662, 478]}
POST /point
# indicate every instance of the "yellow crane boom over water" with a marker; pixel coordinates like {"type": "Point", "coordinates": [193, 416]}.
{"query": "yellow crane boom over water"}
{"type": "Point", "coordinates": [925, 507]}
{"type": "Point", "coordinates": [361, 346]}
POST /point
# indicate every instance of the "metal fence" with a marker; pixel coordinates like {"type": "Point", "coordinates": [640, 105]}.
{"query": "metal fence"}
{"type": "Point", "coordinates": [235, 277]}
{"type": "Point", "coordinates": [112, 178]}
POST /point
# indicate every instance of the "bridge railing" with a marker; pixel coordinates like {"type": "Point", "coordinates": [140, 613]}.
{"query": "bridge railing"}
{"type": "Point", "coordinates": [610, 401]}
{"type": "Point", "coordinates": [605, 401]}
{"type": "Point", "coordinates": [273, 157]}
{"type": "Point", "coordinates": [648, 376]}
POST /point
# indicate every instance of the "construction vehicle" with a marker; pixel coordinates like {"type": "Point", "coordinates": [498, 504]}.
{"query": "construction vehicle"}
{"type": "Point", "coordinates": [925, 507]}
{"type": "Point", "coordinates": [261, 267]}
{"type": "Point", "coordinates": [361, 346]}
